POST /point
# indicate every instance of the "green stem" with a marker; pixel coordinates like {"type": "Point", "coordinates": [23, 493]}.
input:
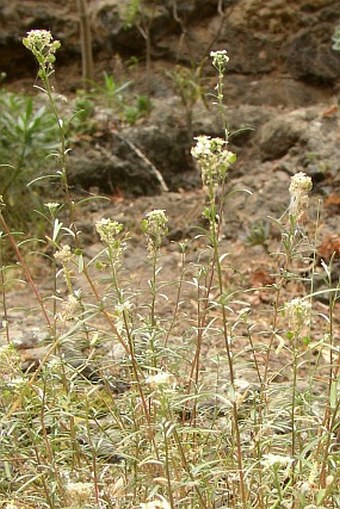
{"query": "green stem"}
{"type": "Point", "coordinates": [176, 306]}
{"type": "Point", "coordinates": [45, 76]}
{"type": "Point", "coordinates": [131, 352]}
{"type": "Point", "coordinates": [3, 295]}
{"type": "Point", "coordinates": [153, 288]}
{"type": "Point", "coordinates": [167, 469]}
{"type": "Point", "coordinates": [293, 409]}
{"type": "Point", "coordinates": [26, 270]}
{"type": "Point", "coordinates": [214, 231]}
{"type": "Point", "coordinates": [277, 483]}
{"type": "Point", "coordinates": [186, 466]}
{"type": "Point", "coordinates": [221, 105]}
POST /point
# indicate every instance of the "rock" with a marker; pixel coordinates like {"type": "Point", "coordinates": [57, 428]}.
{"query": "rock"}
{"type": "Point", "coordinates": [17, 18]}
{"type": "Point", "coordinates": [114, 30]}
{"type": "Point", "coordinates": [31, 339]}
{"type": "Point", "coordinates": [310, 57]}
{"type": "Point", "coordinates": [31, 358]}
{"type": "Point", "coordinates": [278, 135]}
{"type": "Point", "coordinates": [117, 29]}
{"type": "Point", "coordinates": [273, 91]}
{"type": "Point", "coordinates": [270, 197]}
{"type": "Point", "coordinates": [168, 148]}
{"type": "Point", "coordinates": [119, 170]}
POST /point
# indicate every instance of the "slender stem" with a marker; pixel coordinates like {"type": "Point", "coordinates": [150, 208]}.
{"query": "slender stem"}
{"type": "Point", "coordinates": [329, 417]}
{"type": "Point", "coordinates": [167, 469]}
{"type": "Point", "coordinates": [257, 367]}
{"type": "Point", "coordinates": [131, 350]}
{"type": "Point", "coordinates": [220, 97]}
{"type": "Point", "coordinates": [177, 301]}
{"type": "Point", "coordinates": [135, 368]}
{"type": "Point", "coordinates": [293, 407]}
{"type": "Point", "coordinates": [45, 76]}
{"type": "Point", "coordinates": [188, 470]}
{"type": "Point", "coordinates": [26, 270]}
{"type": "Point", "coordinates": [277, 483]}
{"type": "Point", "coordinates": [232, 383]}
{"type": "Point", "coordinates": [93, 451]}
{"type": "Point", "coordinates": [153, 287]}
{"type": "Point", "coordinates": [214, 231]}
{"type": "Point", "coordinates": [3, 295]}
{"type": "Point", "coordinates": [49, 449]}
{"type": "Point", "coordinates": [202, 313]}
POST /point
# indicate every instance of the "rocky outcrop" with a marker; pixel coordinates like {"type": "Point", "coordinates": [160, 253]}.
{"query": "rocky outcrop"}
{"type": "Point", "coordinates": [291, 37]}
{"type": "Point", "coordinates": [118, 167]}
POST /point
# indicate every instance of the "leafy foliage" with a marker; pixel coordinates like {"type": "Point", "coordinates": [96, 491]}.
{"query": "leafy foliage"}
{"type": "Point", "coordinates": [28, 135]}
{"type": "Point", "coordinates": [114, 100]}
{"type": "Point", "coordinates": [128, 406]}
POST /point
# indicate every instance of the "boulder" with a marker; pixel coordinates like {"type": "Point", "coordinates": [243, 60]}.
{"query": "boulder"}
{"type": "Point", "coordinates": [277, 136]}
{"type": "Point", "coordinates": [310, 56]}
{"type": "Point", "coordinates": [113, 168]}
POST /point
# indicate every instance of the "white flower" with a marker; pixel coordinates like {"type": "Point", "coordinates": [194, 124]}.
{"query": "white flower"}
{"type": "Point", "coordinates": [18, 381]}
{"type": "Point", "coordinates": [108, 230]}
{"type": "Point", "coordinates": [70, 307]}
{"type": "Point", "coordinates": [299, 188]}
{"type": "Point", "coordinates": [276, 460]}
{"type": "Point", "coordinates": [109, 233]}
{"type": "Point", "coordinates": [297, 310]}
{"type": "Point", "coordinates": [54, 364]}
{"type": "Point", "coordinates": [78, 493]}
{"type": "Point", "coordinates": [161, 503]}
{"type": "Point", "coordinates": [213, 158]}
{"type": "Point", "coordinates": [219, 58]}
{"type": "Point", "coordinates": [52, 205]}
{"type": "Point", "coordinates": [42, 45]}
{"type": "Point", "coordinates": [160, 379]}
{"type": "Point", "coordinates": [155, 228]}
{"type": "Point", "coordinates": [205, 147]}
{"type": "Point", "coordinates": [64, 255]}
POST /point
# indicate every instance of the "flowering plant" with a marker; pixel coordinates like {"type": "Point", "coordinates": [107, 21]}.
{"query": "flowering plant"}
{"type": "Point", "coordinates": [43, 47]}
{"type": "Point", "coordinates": [214, 160]}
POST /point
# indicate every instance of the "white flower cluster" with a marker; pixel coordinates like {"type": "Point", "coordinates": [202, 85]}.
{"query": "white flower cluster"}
{"type": "Point", "coordinates": [213, 159]}
{"type": "Point", "coordinates": [42, 45]}
{"type": "Point", "coordinates": [79, 493]}
{"type": "Point", "coordinates": [299, 188]}
{"type": "Point", "coordinates": [219, 59]}
{"type": "Point", "coordinates": [64, 255]}
{"type": "Point", "coordinates": [70, 308]}
{"type": "Point", "coordinates": [161, 503]}
{"type": "Point", "coordinates": [206, 145]}
{"type": "Point", "coordinates": [155, 228]}
{"type": "Point", "coordinates": [109, 233]}
{"type": "Point", "coordinates": [297, 310]}
{"type": "Point", "coordinates": [52, 206]}
{"type": "Point", "coordinates": [276, 460]}
{"type": "Point", "coordinates": [160, 379]}
{"type": "Point", "coordinates": [108, 230]}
